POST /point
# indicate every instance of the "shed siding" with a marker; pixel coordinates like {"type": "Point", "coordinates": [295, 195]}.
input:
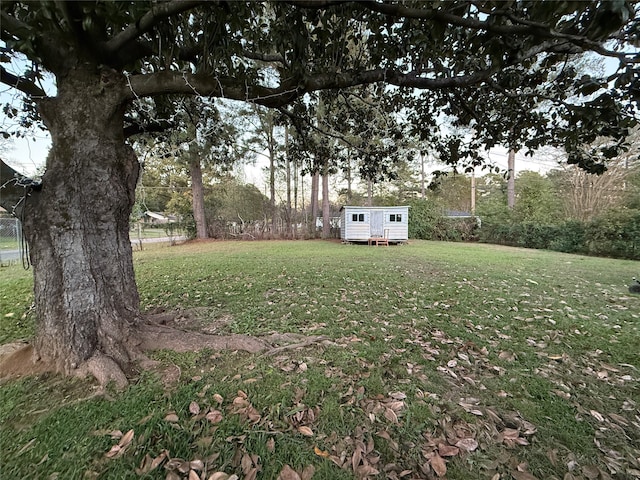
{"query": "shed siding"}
{"type": "Point", "coordinates": [361, 231]}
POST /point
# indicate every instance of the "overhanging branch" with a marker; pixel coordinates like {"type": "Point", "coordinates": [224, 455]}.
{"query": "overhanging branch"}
{"type": "Point", "coordinates": [151, 127]}
{"type": "Point", "coordinates": [13, 189]}
{"type": "Point", "coordinates": [20, 83]}
{"type": "Point", "coordinates": [160, 83]}
{"type": "Point", "coordinates": [153, 17]}
{"type": "Point", "coordinates": [14, 27]}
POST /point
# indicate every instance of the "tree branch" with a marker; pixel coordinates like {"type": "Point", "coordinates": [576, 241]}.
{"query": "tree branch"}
{"type": "Point", "coordinates": [20, 83]}
{"type": "Point", "coordinates": [14, 27]}
{"type": "Point", "coordinates": [149, 85]}
{"type": "Point", "coordinates": [151, 127]}
{"type": "Point", "coordinates": [51, 49]}
{"type": "Point", "coordinates": [160, 83]}
{"type": "Point", "coordinates": [265, 57]}
{"type": "Point", "coordinates": [13, 189]}
{"type": "Point", "coordinates": [397, 10]}
{"type": "Point", "coordinates": [157, 14]}
{"type": "Point", "coordinates": [518, 26]}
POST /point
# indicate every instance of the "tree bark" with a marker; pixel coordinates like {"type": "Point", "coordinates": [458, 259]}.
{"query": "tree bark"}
{"type": "Point", "coordinates": [511, 179]}
{"type": "Point", "coordinates": [326, 206]}
{"type": "Point", "coordinates": [349, 179]}
{"type": "Point", "coordinates": [287, 216]}
{"type": "Point", "coordinates": [315, 181]}
{"type": "Point", "coordinates": [296, 179]}
{"type": "Point", "coordinates": [423, 191]}
{"type": "Point", "coordinates": [197, 191]}
{"type": "Point", "coordinates": [77, 226]}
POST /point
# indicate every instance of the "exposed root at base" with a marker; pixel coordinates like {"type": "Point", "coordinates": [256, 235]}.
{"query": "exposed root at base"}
{"type": "Point", "coordinates": [17, 360]}
{"type": "Point", "coordinates": [105, 370]}
{"type": "Point", "coordinates": [162, 337]}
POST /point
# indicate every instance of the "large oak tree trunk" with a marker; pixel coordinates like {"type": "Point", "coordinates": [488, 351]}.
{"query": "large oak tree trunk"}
{"type": "Point", "coordinates": [78, 228]}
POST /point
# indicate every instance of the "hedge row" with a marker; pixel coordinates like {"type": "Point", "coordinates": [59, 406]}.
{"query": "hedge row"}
{"type": "Point", "coordinates": [615, 234]}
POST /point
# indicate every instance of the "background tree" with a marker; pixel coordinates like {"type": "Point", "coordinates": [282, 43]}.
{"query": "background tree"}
{"type": "Point", "coordinates": [106, 55]}
{"type": "Point", "coordinates": [588, 196]}
{"type": "Point", "coordinates": [201, 137]}
{"type": "Point", "coordinates": [267, 140]}
{"type": "Point", "coordinates": [537, 200]}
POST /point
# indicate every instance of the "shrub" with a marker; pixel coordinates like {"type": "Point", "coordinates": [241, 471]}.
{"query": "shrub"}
{"type": "Point", "coordinates": [615, 234]}
{"type": "Point", "coordinates": [427, 223]}
{"type": "Point", "coordinates": [422, 219]}
{"type": "Point", "coordinates": [570, 237]}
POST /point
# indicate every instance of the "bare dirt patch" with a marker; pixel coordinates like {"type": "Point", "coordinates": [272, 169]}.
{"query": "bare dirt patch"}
{"type": "Point", "coordinates": [18, 359]}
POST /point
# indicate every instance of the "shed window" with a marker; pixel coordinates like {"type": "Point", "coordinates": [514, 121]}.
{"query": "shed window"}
{"type": "Point", "coordinates": [357, 217]}
{"type": "Point", "coordinates": [395, 217]}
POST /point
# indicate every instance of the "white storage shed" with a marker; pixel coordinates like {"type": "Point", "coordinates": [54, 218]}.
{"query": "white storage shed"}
{"type": "Point", "coordinates": [360, 224]}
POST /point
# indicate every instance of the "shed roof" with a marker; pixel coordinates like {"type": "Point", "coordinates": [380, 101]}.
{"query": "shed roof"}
{"type": "Point", "coordinates": [374, 208]}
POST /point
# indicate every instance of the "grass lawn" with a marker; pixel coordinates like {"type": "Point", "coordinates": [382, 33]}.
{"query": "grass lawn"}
{"type": "Point", "coordinates": [441, 360]}
{"type": "Point", "coordinates": [9, 243]}
{"type": "Point", "coordinates": [144, 233]}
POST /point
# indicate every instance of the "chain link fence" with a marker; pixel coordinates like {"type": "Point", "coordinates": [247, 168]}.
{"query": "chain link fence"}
{"type": "Point", "coordinates": [10, 241]}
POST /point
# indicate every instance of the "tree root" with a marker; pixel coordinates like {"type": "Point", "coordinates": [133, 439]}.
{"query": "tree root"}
{"type": "Point", "coordinates": [20, 359]}
{"type": "Point", "coordinates": [162, 337]}
{"type": "Point", "coordinates": [105, 370]}
{"type": "Point", "coordinates": [305, 342]}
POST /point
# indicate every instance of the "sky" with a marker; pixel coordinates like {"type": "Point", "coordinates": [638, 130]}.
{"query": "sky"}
{"type": "Point", "coordinates": [28, 156]}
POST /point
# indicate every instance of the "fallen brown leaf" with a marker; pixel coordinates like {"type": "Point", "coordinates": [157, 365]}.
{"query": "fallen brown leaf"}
{"type": "Point", "coordinates": [214, 416]}
{"type": "Point", "coordinates": [364, 471]}
{"type": "Point", "coordinates": [448, 450]}
{"type": "Point", "coordinates": [288, 473]}
{"type": "Point", "coordinates": [149, 464]}
{"type": "Point", "coordinates": [517, 475]}
{"type": "Point", "coordinates": [194, 408]}
{"type": "Point", "coordinates": [390, 415]}
{"type": "Point", "coordinates": [120, 447]}
{"type": "Point", "coordinates": [467, 444]}
{"type": "Point", "coordinates": [171, 417]}
{"type": "Point", "coordinates": [220, 476]}
{"type": "Point", "coordinates": [126, 439]}
{"type": "Point", "coordinates": [307, 473]}
{"type": "Point", "coordinates": [321, 453]}
{"type": "Point", "coordinates": [439, 465]}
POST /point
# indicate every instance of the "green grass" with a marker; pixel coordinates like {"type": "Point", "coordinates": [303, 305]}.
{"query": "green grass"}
{"type": "Point", "coordinates": [159, 232]}
{"type": "Point", "coordinates": [9, 243]}
{"type": "Point", "coordinates": [462, 340]}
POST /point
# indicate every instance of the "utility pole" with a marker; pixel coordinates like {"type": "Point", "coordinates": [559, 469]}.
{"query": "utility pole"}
{"type": "Point", "coordinates": [511, 179]}
{"type": "Point", "coordinates": [422, 176]}
{"type": "Point", "coordinates": [473, 192]}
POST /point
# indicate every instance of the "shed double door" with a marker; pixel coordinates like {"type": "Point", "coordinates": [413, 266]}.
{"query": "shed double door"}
{"type": "Point", "coordinates": [377, 223]}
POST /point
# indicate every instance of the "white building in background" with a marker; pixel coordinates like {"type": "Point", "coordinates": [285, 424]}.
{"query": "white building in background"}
{"type": "Point", "coordinates": [360, 224]}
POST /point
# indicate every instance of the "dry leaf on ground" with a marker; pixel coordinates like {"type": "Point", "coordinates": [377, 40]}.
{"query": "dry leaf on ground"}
{"type": "Point", "coordinates": [439, 465]}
